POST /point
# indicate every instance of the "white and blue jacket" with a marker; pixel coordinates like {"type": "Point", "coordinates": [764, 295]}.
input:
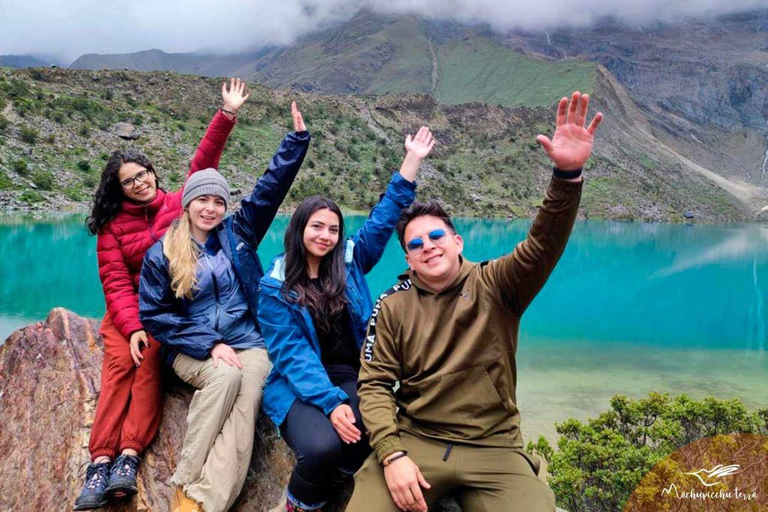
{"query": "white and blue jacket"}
{"type": "Point", "coordinates": [288, 329]}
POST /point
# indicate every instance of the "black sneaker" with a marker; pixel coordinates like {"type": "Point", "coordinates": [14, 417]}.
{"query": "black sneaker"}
{"type": "Point", "coordinates": [122, 477]}
{"type": "Point", "coordinates": [93, 495]}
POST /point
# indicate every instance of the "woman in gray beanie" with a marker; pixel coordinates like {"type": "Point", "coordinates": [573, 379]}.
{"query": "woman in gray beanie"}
{"type": "Point", "coordinates": [197, 296]}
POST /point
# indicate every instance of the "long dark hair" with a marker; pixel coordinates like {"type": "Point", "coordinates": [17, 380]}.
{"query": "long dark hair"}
{"type": "Point", "coordinates": [326, 299]}
{"type": "Point", "coordinates": [108, 198]}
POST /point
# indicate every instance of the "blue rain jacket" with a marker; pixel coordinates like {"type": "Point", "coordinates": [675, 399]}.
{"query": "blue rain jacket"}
{"type": "Point", "coordinates": [288, 329]}
{"type": "Point", "coordinates": [224, 306]}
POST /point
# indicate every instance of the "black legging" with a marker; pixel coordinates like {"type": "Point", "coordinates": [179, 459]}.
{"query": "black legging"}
{"type": "Point", "coordinates": [322, 457]}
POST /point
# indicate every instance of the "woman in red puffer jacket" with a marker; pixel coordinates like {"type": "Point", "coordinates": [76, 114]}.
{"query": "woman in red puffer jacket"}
{"type": "Point", "coordinates": [130, 213]}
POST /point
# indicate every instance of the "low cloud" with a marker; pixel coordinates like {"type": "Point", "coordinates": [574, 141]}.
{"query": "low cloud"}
{"type": "Point", "coordinates": [70, 29]}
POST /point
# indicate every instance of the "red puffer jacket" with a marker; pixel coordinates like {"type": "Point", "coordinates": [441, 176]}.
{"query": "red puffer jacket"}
{"type": "Point", "coordinates": [124, 240]}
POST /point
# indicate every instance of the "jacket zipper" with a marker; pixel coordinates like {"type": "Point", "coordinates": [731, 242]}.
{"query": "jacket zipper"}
{"type": "Point", "coordinates": [152, 235]}
{"type": "Point", "coordinates": [215, 293]}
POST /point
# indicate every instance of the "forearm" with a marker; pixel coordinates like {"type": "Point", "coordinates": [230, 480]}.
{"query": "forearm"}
{"type": "Point", "coordinates": [211, 147]}
{"type": "Point", "coordinates": [526, 269]}
{"type": "Point", "coordinates": [410, 166]}
{"type": "Point", "coordinates": [379, 411]}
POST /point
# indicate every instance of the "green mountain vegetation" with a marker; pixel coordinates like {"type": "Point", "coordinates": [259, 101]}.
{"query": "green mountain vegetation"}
{"type": "Point", "coordinates": [58, 128]}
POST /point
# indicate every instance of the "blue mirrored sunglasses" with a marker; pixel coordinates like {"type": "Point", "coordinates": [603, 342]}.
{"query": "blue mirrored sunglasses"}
{"type": "Point", "coordinates": [417, 244]}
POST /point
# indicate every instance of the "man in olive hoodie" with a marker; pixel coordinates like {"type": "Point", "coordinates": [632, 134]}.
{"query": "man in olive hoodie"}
{"type": "Point", "coordinates": [447, 333]}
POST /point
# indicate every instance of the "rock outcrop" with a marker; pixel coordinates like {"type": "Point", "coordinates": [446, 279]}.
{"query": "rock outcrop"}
{"type": "Point", "coordinates": [50, 377]}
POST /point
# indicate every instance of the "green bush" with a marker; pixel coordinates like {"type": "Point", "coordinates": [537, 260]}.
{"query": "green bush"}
{"type": "Point", "coordinates": [75, 194]}
{"type": "Point", "coordinates": [44, 180]}
{"type": "Point", "coordinates": [31, 197]}
{"type": "Point", "coordinates": [20, 167]}
{"type": "Point", "coordinates": [84, 166]}
{"type": "Point", "coordinates": [4, 123]}
{"type": "Point", "coordinates": [601, 462]}
{"type": "Point", "coordinates": [28, 135]}
{"type": "Point", "coordinates": [5, 182]}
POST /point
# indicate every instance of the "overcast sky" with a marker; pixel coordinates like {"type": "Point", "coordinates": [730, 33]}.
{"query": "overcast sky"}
{"type": "Point", "coordinates": [73, 27]}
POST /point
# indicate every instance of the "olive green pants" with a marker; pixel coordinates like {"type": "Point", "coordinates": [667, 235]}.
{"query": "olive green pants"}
{"type": "Point", "coordinates": [220, 426]}
{"type": "Point", "coordinates": [485, 479]}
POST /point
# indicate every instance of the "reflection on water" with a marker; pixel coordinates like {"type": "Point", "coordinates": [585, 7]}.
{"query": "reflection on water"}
{"type": "Point", "coordinates": [630, 308]}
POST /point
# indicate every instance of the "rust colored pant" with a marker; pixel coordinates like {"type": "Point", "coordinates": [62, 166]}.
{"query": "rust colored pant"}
{"type": "Point", "coordinates": [130, 401]}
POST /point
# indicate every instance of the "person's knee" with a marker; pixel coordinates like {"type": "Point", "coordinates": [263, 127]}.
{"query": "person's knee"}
{"type": "Point", "coordinates": [322, 454]}
{"type": "Point", "coordinates": [227, 377]}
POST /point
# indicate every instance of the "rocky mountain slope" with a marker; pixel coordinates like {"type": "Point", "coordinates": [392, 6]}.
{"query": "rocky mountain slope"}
{"type": "Point", "coordinates": [59, 126]}
{"type": "Point", "coordinates": [699, 83]}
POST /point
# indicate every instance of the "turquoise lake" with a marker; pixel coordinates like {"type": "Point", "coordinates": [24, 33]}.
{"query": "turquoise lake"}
{"type": "Point", "coordinates": [631, 308]}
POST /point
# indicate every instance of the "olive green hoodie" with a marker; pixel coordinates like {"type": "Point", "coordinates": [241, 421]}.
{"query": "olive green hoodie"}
{"type": "Point", "coordinates": [453, 352]}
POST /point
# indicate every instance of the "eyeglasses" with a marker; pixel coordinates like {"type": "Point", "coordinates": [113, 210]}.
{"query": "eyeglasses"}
{"type": "Point", "coordinates": [436, 236]}
{"type": "Point", "coordinates": [131, 182]}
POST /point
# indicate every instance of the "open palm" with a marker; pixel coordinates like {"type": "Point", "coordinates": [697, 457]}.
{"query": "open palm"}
{"type": "Point", "coordinates": [571, 145]}
{"type": "Point", "coordinates": [421, 144]}
{"type": "Point", "coordinates": [235, 96]}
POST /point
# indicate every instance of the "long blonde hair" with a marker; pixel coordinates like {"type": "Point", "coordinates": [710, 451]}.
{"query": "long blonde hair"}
{"type": "Point", "coordinates": [182, 253]}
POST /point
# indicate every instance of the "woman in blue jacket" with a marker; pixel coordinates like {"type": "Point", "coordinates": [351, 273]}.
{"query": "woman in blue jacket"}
{"type": "Point", "coordinates": [198, 297]}
{"type": "Point", "coordinates": [314, 306]}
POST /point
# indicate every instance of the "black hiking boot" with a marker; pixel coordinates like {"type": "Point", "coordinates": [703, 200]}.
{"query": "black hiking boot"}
{"type": "Point", "coordinates": [96, 481]}
{"type": "Point", "coordinates": [122, 477]}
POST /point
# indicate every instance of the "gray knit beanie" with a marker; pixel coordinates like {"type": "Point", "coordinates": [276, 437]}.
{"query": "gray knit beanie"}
{"type": "Point", "coordinates": [205, 182]}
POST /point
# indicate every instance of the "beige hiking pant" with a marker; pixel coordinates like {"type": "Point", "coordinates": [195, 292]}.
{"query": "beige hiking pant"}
{"type": "Point", "coordinates": [487, 479]}
{"type": "Point", "coordinates": [220, 426]}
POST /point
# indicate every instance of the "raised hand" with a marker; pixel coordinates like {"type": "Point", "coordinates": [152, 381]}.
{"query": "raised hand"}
{"type": "Point", "coordinates": [235, 96]}
{"type": "Point", "coordinates": [420, 145]}
{"type": "Point", "coordinates": [571, 145]}
{"type": "Point", "coordinates": [416, 149]}
{"type": "Point", "coordinates": [298, 121]}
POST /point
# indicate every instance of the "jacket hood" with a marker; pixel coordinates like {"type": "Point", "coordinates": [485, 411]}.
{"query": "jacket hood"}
{"type": "Point", "coordinates": [275, 276]}
{"type": "Point", "coordinates": [464, 270]}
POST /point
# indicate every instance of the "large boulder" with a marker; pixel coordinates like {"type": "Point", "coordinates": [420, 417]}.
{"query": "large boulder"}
{"type": "Point", "coordinates": [50, 377]}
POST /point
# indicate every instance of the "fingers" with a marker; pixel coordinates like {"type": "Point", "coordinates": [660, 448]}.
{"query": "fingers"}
{"type": "Point", "coordinates": [581, 115]}
{"type": "Point", "coordinates": [408, 139]}
{"type": "Point", "coordinates": [418, 503]}
{"type": "Point", "coordinates": [216, 361]}
{"type": "Point", "coordinates": [422, 481]}
{"type": "Point", "coordinates": [595, 123]}
{"type": "Point", "coordinates": [562, 109]}
{"type": "Point", "coordinates": [573, 107]}
{"type": "Point", "coordinates": [136, 356]}
{"type": "Point", "coordinates": [345, 428]}
{"type": "Point", "coordinates": [294, 109]}
{"type": "Point", "coordinates": [231, 359]}
{"type": "Point", "coordinates": [231, 85]}
{"type": "Point", "coordinates": [224, 89]}
{"type": "Point", "coordinates": [545, 143]}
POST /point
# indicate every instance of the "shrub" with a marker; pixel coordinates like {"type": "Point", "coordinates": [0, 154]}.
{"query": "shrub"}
{"type": "Point", "coordinates": [44, 180]}
{"type": "Point", "coordinates": [28, 135]}
{"type": "Point", "coordinates": [5, 182]}
{"type": "Point", "coordinates": [84, 165]}
{"type": "Point", "coordinates": [31, 197]}
{"type": "Point", "coordinates": [20, 167]}
{"type": "Point", "coordinates": [4, 123]}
